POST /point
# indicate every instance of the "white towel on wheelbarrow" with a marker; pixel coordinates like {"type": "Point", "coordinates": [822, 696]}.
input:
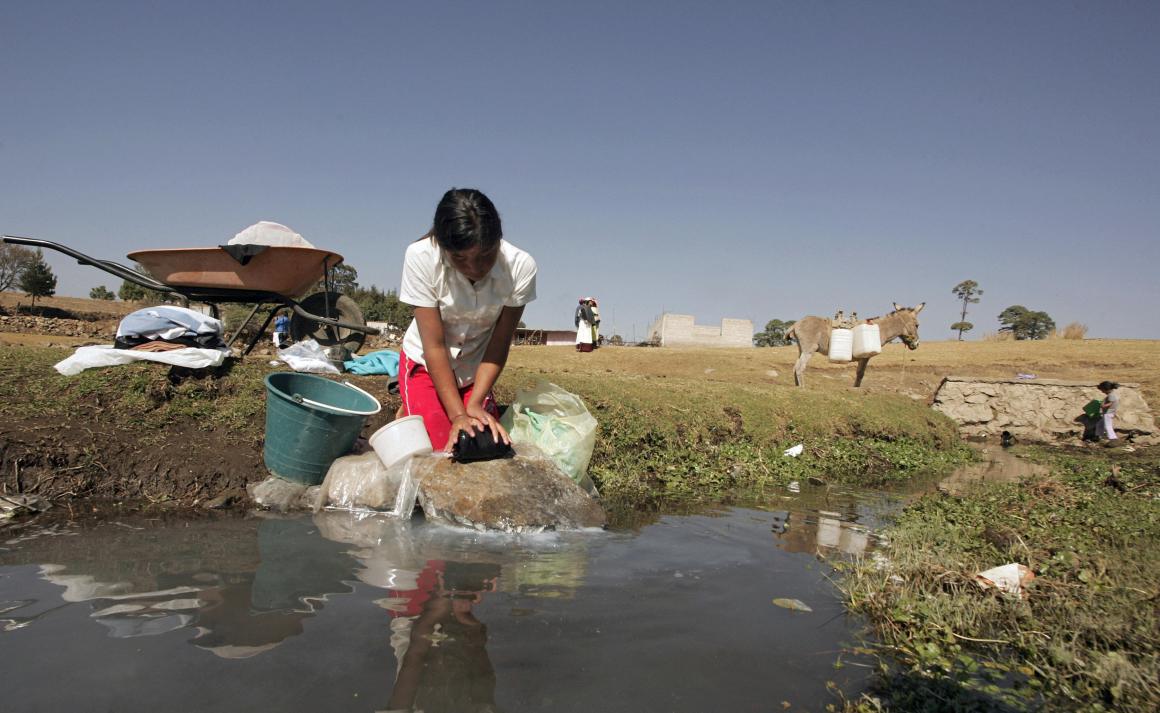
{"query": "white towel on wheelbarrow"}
{"type": "Point", "coordinates": [101, 355]}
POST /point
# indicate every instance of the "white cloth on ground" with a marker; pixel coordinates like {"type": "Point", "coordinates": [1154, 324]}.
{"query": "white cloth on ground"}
{"type": "Point", "coordinates": [108, 355]}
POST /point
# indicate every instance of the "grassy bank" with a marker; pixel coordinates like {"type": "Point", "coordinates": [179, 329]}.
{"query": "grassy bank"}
{"type": "Point", "coordinates": [1086, 637]}
{"type": "Point", "coordinates": [666, 437]}
{"type": "Point", "coordinates": [147, 398]}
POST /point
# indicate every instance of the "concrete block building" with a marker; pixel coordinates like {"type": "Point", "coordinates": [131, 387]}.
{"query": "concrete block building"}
{"type": "Point", "coordinates": [680, 330]}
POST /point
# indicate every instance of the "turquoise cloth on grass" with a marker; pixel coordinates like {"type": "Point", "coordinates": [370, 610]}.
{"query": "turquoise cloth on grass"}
{"type": "Point", "coordinates": [385, 361]}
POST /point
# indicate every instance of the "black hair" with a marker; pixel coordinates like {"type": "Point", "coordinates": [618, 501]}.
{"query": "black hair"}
{"type": "Point", "coordinates": [465, 218]}
{"type": "Point", "coordinates": [1107, 385]}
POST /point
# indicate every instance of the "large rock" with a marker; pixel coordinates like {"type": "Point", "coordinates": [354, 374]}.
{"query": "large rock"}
{"type": "Point", "coordinates": [527, 493]}
{"type": "Point", "coordinates": [1037, 409]}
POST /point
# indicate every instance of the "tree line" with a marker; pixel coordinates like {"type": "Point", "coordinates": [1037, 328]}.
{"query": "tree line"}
{"type": "Point", "coordinates": [26, 270]}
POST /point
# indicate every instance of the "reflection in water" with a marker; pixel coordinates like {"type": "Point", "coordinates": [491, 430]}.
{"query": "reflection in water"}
{"type": "Point", "coordinates": [441, 652]}
{"type": "Point", "coordinates": [997, 465]}
{"type": "Point", "coordinates": [674, 616]}
{"type": "Point", "coordinates": [822, 532]}
{"type": "Point", "coordinates": [245, 587]}
{"type": "Point", "coordinates": [236, 613]}
{"type": "Point", "coordinates": [439, 644]}
{"type": "Point", "coordinates": [411, 616]}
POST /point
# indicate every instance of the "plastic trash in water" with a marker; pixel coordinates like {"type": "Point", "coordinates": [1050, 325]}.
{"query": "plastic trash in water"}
{"type": "Point", "coordinates": [792, 604]}
{"type": "Point", "coordinates": [794, 452]}
{"type": "Point", "coordinates": [1009, 578]}
{"type": "Point", "coordinates": [794, 487]}
{"type": "Point", "coordinates": [1025, 376]}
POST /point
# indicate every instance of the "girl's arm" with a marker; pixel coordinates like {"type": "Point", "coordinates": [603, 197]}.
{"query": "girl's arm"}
{"type": "Point", "coordinates": [494, 359]}
{"type": "Point", "coordinates": [438, 359]}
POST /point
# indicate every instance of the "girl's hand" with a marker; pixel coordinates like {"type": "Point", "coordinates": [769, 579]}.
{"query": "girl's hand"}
{"type": "Point", "coordinates": [489, 422]}
{"type": "Point", "coordinates": [462, 422]}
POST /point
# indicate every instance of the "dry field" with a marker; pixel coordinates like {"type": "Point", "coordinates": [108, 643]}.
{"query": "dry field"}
{"type": "Point", "coordinates": [9, 300]}
{"type": "Point", "coordinates": [913, 373]}
{"type": "Point", "coordinates": [897, 370]}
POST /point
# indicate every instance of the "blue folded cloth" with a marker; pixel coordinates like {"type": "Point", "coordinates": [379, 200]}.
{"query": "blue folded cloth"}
{"type": "Point", "coordinates": [385, 361]}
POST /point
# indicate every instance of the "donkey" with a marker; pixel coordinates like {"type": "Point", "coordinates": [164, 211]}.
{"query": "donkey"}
{"type": "Point", "coordinates": [812, 334]}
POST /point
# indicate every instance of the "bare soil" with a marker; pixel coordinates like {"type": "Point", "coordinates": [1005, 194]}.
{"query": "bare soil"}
{"type": "Point", "coordinates": [184, 464]}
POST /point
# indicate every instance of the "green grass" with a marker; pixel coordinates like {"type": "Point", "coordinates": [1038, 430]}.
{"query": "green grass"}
{"type": "Point", "coordinates": [1087, 635]}
{"type": "Point", "coordinates": [663, 442]}
{"type": "Point", "coordinates": [143, 396]}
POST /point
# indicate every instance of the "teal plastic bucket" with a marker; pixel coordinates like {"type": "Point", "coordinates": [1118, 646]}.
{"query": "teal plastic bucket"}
{"type": "Point", "coordinates": [310, 421]}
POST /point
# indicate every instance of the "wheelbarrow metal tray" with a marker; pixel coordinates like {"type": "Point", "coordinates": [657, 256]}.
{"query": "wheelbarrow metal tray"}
{"type": "Point", "coordinates": [285, 271]}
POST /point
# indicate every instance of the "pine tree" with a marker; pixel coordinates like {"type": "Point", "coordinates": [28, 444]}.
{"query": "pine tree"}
{"type": "Point", "coordinates": [968, 291]}
{"type": "Point", "coordinates": [37, 280]}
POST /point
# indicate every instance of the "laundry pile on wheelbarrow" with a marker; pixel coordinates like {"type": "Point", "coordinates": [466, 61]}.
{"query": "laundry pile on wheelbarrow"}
{"type": "Point", "coordinates": [171, 335]}
{"type": "Point", "coordinates": [266, 265]}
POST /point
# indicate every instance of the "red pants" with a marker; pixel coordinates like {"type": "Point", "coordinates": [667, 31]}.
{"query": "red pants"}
{"type": "Point", "coordinates": [420, 399]}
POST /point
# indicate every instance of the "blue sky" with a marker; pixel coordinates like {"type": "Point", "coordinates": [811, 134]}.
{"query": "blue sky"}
{"type": "Point", "coordinates": [725, 159]}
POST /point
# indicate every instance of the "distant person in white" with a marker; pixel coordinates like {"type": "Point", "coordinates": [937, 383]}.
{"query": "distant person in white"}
{"type": "Point", "coordinates": [583, 319]}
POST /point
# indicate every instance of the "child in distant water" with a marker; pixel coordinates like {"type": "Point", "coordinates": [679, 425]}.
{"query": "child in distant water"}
{"type": "Point", "coordinates": [1108, 410]}
{"type": "Point", "coordinates": [469, 287]}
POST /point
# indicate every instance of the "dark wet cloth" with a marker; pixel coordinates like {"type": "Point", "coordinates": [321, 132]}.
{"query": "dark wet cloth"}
{"type": "Point", "coordinates": [244, 253]}
{"type": "Point", "coordinates": [583, 312]}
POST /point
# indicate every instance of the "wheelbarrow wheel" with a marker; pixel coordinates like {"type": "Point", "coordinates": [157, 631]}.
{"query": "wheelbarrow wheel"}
{"type": "Point", "coordinates": [336, 306]}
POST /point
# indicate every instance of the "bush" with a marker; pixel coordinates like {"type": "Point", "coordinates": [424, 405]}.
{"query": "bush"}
{"type": "Point", "coordinates": [379, 306]}
{"type": "Point", "coordinates": [1075, 330]}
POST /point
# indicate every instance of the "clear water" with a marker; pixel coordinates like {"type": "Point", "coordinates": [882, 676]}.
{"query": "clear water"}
{"type": "Point", "coordinates": [335, 613]}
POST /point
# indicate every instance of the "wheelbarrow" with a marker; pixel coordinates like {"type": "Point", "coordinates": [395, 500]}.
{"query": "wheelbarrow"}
{"type": "Point", "coordinates": [244, 274]}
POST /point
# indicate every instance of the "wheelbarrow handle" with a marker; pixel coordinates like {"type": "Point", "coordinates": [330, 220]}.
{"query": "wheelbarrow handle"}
{"type": "Point", "coordinates": [108, 266]}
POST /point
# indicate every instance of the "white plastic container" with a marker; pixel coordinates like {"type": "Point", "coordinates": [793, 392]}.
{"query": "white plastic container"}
{"type": "Point", "coordinates": [400, 439]}
{"type": "Point", "coordinates": [841, 345]}
{"type": "Point", "coordinates": [867, 341]}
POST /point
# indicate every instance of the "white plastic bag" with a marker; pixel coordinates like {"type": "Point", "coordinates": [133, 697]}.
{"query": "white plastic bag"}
{"type": "Point", "coordinates": [360, 482]}
{"type": "Point", "coordinates": [558, 423]}
{"type": "Point", "coordinates": [1010, 578]}
{"type": "Point", "coordinates": [307, 356]}
{"type": "Point", "coordinates": [101, 355]}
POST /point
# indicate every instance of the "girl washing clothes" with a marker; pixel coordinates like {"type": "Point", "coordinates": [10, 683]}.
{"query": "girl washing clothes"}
{"type": "Point", "coordinates": [469, 287]}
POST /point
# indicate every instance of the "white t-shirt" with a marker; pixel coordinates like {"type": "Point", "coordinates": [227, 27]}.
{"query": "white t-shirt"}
{"type": "Point", "coordinates": [469, 312]}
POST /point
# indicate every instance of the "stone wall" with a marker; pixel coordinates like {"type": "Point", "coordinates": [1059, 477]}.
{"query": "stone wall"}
{"type": "Point", "coordinates": [25, 324]}
{"type": "Point", "coordinates": [1037, 409]}
{"type": "Point", "coordinates": [680, 330]}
